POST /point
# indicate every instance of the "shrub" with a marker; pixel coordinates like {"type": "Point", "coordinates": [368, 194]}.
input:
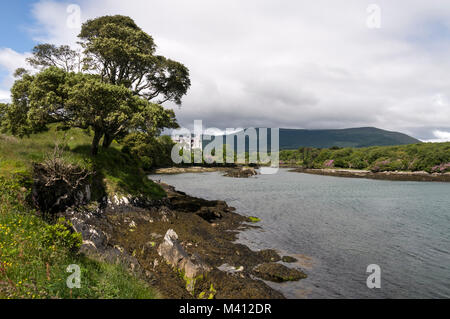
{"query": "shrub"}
{"type": "Point", "coordinates": [151, 151]}
{"type": "Point", "coordinates": [442, 168]}
{"type": "Point", "coordinates": [61, 234]}
{"type": "Point", "coordinates": [328, 164]}
{"type": "Point", "coordinates": [430, 157]}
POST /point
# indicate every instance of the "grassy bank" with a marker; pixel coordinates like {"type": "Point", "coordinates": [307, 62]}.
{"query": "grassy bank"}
{"type": "Point", "coordinates": [429, 157]}
{"type": "Point", "coordinates": [115, 171]}
{"type": "Point", "coordinates": [34, 256]}
{"type": "Point", "coordinates": [35, 253]}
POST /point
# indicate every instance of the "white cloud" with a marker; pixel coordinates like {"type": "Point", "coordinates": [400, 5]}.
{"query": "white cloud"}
{"type": "Point", "coordinates": [4, 96]}
{"type": "Point", "coordinates": [10, 61]}
{"type": "Point", "coordinates": [440, 137]}
{"type": "Point", "coordinates": [54, 23]}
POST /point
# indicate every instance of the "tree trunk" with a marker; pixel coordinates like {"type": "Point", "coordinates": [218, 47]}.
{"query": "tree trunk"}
{"type": "Point", "coordinates": [107, 140]}
{"type": "Point", "coordinates": [95, 142]}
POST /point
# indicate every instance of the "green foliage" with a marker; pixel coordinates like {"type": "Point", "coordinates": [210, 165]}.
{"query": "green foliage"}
{"type": "Point", "coordinates": [13, 194]}
{"type": "Point", "coordinates": [115, 171]}
{"type": "Point", "coordinates": [153, 152]}
{"type": "Point", "coordinates": [121, 173]}
{"type": "Point", "coordinates": [83, 101]}
{"type": "Point", "coordinates": [124, 54]}
{"type": "Point", "coordinates": [113, 88]}
{"type": "Point", "coordinates": [14, 115]}
{"type": "Point", "coordinates": [430, 157]}
{"type": "Point", "coordinates": [34, 256]}
{"type": "Point", "coordinates": [3, 113]}
{"type": "Point", "coordinates": [61, 234]}
{"type": "Point", "coordinates": [49, 55]}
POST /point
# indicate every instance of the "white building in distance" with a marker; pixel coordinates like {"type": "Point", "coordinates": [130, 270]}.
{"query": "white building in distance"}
{"type": "Point", "coordinates": [195, 142]}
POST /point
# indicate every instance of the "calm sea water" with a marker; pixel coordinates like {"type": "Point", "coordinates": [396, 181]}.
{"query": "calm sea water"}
{"type": "Point", "coordinates": [337, 226]}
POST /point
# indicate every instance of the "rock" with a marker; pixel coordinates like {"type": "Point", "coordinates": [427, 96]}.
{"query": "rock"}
{"type": "Point", "coordinates": [230, 269]}
{"type": "Point", "coordinates": [91, 235]}
{"type": "Point", "coordinates": [155, 235]}
{"type": "Point", "coordinates": [242, 172]}
{"type": "Point", "coordinates": [277, 272]}
{"type": "Point", "coordinates": [209, 214]}
{"type": "Point", "coordinates": [192, 169]}
{"type": "Point", "coordinates": [269, 255]}
{"type": "Point", "coordinates": [165, 213]}
{"type": "Point", "coordinates": [288, 259]}
{"type": "Point", "coordinates": [174, 254]}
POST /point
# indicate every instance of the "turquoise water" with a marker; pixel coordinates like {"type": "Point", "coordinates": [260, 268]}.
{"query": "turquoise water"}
{"type": "Point", "coordinates": [337, 226]}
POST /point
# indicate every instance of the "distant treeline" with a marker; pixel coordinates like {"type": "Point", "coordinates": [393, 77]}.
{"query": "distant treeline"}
{"type": "Point", "coordinates": [429, 157]}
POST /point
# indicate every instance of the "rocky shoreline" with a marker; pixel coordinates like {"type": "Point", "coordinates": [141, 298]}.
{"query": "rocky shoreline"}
{"type": "Point", "coordinates": [421, 176]}
{"type": "Point", "coordinates": [189, 169]}
{"type": "Point", "coordinates": [235, 171]}
{"type": "Point", "coordinates": [181, 245]}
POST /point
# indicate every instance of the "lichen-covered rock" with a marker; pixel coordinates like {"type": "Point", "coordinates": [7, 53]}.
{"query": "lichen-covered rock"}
{"type": "Point", "coordinates": [277, 272]}
{"type": "Point", "coordinates": [242, 172]}
{"type": "Point", "coordinates": [269, 255]}
{"type": "Point", "coordinates": [288, 259]}
{"type": "Point", "coordinates": [174, 254]}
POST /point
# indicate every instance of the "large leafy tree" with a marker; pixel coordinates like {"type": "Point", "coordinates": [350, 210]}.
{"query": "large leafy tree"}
{"type": "Point", "coordinates": [121, 53]}
{"type": "Point", "coordinates": [85, 101]}
{"type": "Point", "coordinates": [114, 87]}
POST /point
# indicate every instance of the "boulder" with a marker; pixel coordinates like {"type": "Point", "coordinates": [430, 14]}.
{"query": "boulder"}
{"type": "Point", "coordinates": [209, 213]}
{"type": "Point", "coordinates": [289, 259]}
{"type": "Point", "coordinates": [92, 236]}
{"type": "Point", "coordinates": [269, 255]}
{"type": "Point", "coordinates": [242, 172]}
{"type": "Point", "coordinates": [174, 254]}
{"type": "Point", "coordinates": [277, 272]}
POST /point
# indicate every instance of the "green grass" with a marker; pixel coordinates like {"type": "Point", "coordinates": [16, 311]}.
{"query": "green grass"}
{"type": "Point", "coordinates": [34, 256]}
{"type": "Point", "coordinates": [116, 172]}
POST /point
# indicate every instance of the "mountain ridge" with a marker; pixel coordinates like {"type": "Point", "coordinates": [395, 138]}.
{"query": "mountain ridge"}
{"type": "Point", "coordinates": [356, 137]}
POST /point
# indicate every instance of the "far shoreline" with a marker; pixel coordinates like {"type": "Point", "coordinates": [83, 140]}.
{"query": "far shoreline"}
{"type": "Point", "coordinates": [417, 176]}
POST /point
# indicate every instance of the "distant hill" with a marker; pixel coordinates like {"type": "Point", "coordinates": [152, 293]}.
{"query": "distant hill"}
{"type": "Point", "coordinates": [352, 137]}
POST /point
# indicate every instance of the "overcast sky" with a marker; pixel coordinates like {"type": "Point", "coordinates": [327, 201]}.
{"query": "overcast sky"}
{"type": "Point", "coordinates": [291, 64]}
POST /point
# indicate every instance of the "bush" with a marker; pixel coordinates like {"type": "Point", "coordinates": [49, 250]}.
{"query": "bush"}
{"type": "Point", "coordinates": [151, 151]}
{"type": "Point", "coordinates": [430, 157]}
{"type": "Point", "coordinates": [61, 234]}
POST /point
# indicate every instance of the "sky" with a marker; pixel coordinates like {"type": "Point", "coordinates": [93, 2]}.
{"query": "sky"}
{"type": "Point", "coordinates": [276, 63]}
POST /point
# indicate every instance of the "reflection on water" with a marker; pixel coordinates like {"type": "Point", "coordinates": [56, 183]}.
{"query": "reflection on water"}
{"type": "Point", "coordinates": [336, 227]}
